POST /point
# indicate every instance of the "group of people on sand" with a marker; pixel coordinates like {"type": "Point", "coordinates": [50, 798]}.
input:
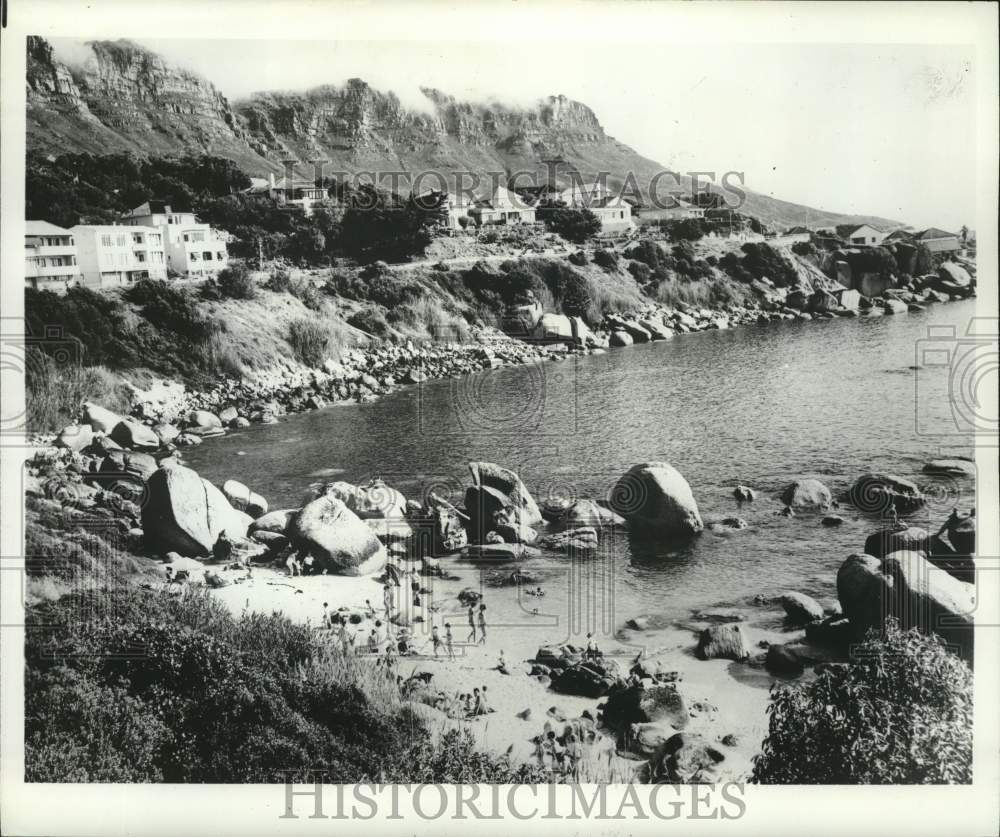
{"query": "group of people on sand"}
{"type": "Point", "coordinates": [464, 704]}
{"type": "Point", "coordinates": [559, 757]}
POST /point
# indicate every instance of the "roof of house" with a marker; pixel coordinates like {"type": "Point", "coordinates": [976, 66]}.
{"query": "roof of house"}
{"type": "Point", "coordinates": [865, 226]}
{"type": "Point", "coordinates": [503, 198]}
{"type": "Point", "coordinates": [43, 228]}
{"type": "Point", "coordinates": [934, 232]}
{"type": "Point", "coordinates": [296, 184]}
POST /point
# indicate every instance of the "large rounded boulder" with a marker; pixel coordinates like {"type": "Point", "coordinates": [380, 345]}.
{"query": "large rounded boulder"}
{"type": "Point", "coordinates": [639, 704]}
{"type": "Point", "coordinates": [336, 537]}
{"type": "Point", "coordinates": [497, 490]}
{"type": "Point", "coordinates": [806, 493]}
{"type": "Point", "coordinates": [911, 539]}
{"type": "Point", "coordinates": [374, 501]}
{"type": "Point", "coordinates": [865, 594]}
{"type": "Point", "coordinates": [186, 514]}
{"type": "Point", "coordinates": [244, 499]}
{"type": "Point", "coordinates": [654, 496]}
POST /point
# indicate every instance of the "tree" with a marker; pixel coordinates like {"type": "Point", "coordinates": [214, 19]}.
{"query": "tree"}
{"type": "Point", "coordinates": [575, 225]}
{"type": "Point", "coordinates": [901, 713]}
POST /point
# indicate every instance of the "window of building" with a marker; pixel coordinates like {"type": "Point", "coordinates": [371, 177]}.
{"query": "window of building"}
{"type": "Point", "coordinates": [220, 256]}
{"type": "Point", "coordinates": [206, 256]}
{"type": "Point", "coordinates": [194, 257]}
{"type": "Point", "coordinates": [105, 240]}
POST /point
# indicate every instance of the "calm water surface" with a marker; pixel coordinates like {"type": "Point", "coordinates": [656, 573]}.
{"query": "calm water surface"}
{"type": "Point", "coordinates": [757, 405]}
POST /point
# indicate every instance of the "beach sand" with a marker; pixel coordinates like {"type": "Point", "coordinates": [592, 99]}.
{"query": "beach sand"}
{"type": "Point", "coordinates": [723, 698]}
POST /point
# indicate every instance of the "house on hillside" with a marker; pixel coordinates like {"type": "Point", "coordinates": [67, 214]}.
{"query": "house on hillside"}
{"type": "Point", "coordinates": [50, 257]}
{"type": "Point", "coordinates": [503, 207]}
{"type": "Point", "coordinates": [899, 236]}
{"type": "Point", "coordinates": [866, 235]}
{"type": "Point", "coordinates": [297, 192]}
{"type": "Point", "coordinates": [452, 207]}
{"type": "Point", "coordinates": [938, 241]}
{"type": "Point", "coordinates": [677, 210]}
{"type": "Point", "coordinates": [192, 248]}
{"type": "Point", "coordinates": [614, 213]}
{"type": "Point", "coordinates": [113, 255]}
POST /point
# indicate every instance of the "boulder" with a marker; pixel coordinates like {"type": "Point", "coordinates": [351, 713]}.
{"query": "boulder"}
{"type": "Point", "coordinates": [167, 433]}
{"type": "Point", "coordinates": [277, 520]}
{"type": "Point", "coordinates": [554, 327]}
{"type": "Point", "coordinates": [274, 541]}
{"type": "Point", "coordinates": [744, 494]}
{"type": "Point", "coordinates": [639, 704]}
{"type": "Point", "coordinates": [336, 537]}
{"type": "Point", "coordinates": [187, 439]}
{"type": "Point", "coordinates": [962, 533]}
{"type": "Point", "coordinates": [132, 434]}
{"type": "Point", "coordinates": [654, 496]}
{"type": "Point", "coordinates": [833, 632]}
{"type": "Point", "coordinates": [186, 513]}
{"type": "Point", "coordinates": [589, 513]}
{"type": "Point", "coordinates": [130, 465]}
{"type": "Point", "coordinates": [588, 678]}
{"type": "Point", "coordinates": [75, 437]}
{"type": "Point", "coordinates": [657, 330]}
{"type": "Point", "coordinates": [228, 415]}
{"type": "Point", "coordinates": [780, 659]}
{"type": "Point", "coordinates": [572, 541]}
{"type": "Point", "coordinates": [954, 274]}
{"type": "Point", "coordinates": [244, 499]}
{"type": "Point", "coordinates": [620, 338]}
{"type": "Point", "coordinates": [850, 299]}
{"type": "Point", "coordinates": [865, 594]}
{"type": "Point", "coordinates": [800, 608]}
{"type": "Point", "coordinates": [804, 493]}
{"type": "Point", "coordinates": [876, 493]}
{"type": "Point", "coordinates": [832, 520]}
{"type": "Point", "coordinates": [686, 758]}
{"type": "Point", "coordinates": [911, 539]}
{"type": "Point", "coordinates": [101, 420]}
{"type": "Point", "coordinates": [894, 306]}
{"type": "Point", "coordinates": [205, 419]}
{"type": "Point", "coordinates": [931, 600]}
{"type": "Point", "coordinates": [647, 739]}
{"type": "Point", "coordinates": [509, 485]}
{"type": "Point", "coordinates": [951, 467]}
{"type": "Point", "coordinates": [376, 500]}
{"type": "Point", "coordinates": [725, 641]}
{"type": "Point", "coordinates": [390, 530]}
{"type": "Point", "coordinates": [513, 532]}
{"type": "Point", "coordinates": [636, 332]}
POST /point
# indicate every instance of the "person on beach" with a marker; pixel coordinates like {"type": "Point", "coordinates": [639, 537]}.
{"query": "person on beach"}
{"type": "Point", "coordinates": [448, 641]}
{"type": "Point", "coordinates": [592, 652]}
{"type": "Point", "coordinates": [325, 619]}
{"type": "Point", "coordinates": [387, 600]}
{"type": "Point", "coordinates": [539, 750]}
{"type": "Point", "coordinates": [369, 609]}
{"type": "Point", "coordinates": [574, 755]}
{"type": "Point", "coordinates": [478, 705]}
{"type": "Point", "coordinates": [373, 642]}
{"type": "Point", "coordinates": [435, 639]}
{"type": "Point", "coordinates": [486, 705]}
{"type": "Point", "coordinates": [502, 664]}
{"type": "Point", "coordinates": [345, 641]}
{"type": "Point", "coordinates": [307, 565]}
{"type": "Point", "coordinates": [482, 624]}
{"type": "Point", "coordinates": [472, 624]}
{"type": "Point", "coordinates": [467, 699]}
{"type": "Point", "coordinates": [293, 566]}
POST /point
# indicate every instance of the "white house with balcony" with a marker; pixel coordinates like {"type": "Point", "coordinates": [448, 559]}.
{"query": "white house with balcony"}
{"type": "Point", "coordinates": [502, 207]}
{"type": "Point", "coordinates": [113, 255]}
{"type": "Point", "coordinates": [50, 257]}
{"type": "Point", "coordinates": [192, 248]}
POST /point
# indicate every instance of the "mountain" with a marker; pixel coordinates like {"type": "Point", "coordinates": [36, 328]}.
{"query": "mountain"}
{"type": "Point", "coordinates": [125, 98]}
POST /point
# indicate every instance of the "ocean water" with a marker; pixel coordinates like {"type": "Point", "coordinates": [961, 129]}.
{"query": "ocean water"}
{"type": "Point", "coordinates": [760, 406]}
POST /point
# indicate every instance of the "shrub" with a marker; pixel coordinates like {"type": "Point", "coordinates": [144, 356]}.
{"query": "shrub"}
{"type": "Point", "coordinates": [648, 252]}
{"type": "Point", "coordinates": [803, 248]}
{"type": "Point", "coordinates": [578, 258]}
{"type": "Point", "coordinates": [640, 271]}
{"type": "Point", "coordinates": [236, 282]}
{"type": "Point", "coordinates": [371, 321]}
{"type": "Point", "coordinates": [607, 259]}
{"type": "Point", "coordinates": [309, 341]}
{"type": "Point", "coordinates": [900, 714]}
{"type": "Point", "coordinates": [575, 225]}
{"type": "Point", "coordinates": [301, 287]}
{"type": "Point", "coordinates": [762, 260]}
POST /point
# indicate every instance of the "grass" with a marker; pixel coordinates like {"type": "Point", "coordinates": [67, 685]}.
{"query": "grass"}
{"type": "Point", "coordinates": [702, 292]}
{"type": "Point", "coordinates": [54, 392]}
{"type": "Point", "coordinates": [428, 318]}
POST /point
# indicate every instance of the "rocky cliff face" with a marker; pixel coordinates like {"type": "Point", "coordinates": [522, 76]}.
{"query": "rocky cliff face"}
{"type": "Point", "coordinates": [124, 98]}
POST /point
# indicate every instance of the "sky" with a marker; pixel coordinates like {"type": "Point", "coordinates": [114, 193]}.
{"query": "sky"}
{"type": "Point", "coordinates": [873, 129]}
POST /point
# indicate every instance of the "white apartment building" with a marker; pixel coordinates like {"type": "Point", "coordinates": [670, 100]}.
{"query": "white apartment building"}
{"type": "Point", "coordinates": [114, 255]}
{"type": "Point", "coordinates": [614, 213]}
{"type": "Point", "coordinates": [193, 249]}
{"type": "Point", "coordinates": [50, 257]}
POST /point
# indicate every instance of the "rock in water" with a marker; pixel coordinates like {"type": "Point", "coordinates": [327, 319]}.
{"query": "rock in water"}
{"type": "Point", "coordinates": [800, 608]}
{"type": "Point", "coordinates": [912, 539]}
{"type": "Point", "coordinates": [781, 660]}
{"type": "Point", "coordinates": [962, 534]}
{"type": "Point", "coordinates": [951, 467]}
{"type": "Point", "coordinates": [374, 501]}
{"type": "Point", "coordinates": [588, 513]}
{"type": "Point", "coordinates": [744, 494]}
{"type": "Point", "coordinates": [806, 493]}
{"type": "Point", "coordinates": [686, 758]}
{"type": "Point", "coordinates": [879, 493]}
{"type": "Point", "coordinates": [244, 499]}
{"type": "Point", "coordinates": [337, 538]}
{"type": "Point", "coordinates": [620, 338]}
{"type": "Point", "coordinates": [865, 593]}
{"type": "Point", "coordinates": [725, 641]}
{"type": "Point", "coordinates": [509, 483]}
{"type": "Point", "coordinates": [654, 496]}
{"type": "Point", "coordinates": [186, 513]}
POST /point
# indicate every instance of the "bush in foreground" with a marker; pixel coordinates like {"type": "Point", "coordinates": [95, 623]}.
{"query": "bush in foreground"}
{"type": "Point", "coordinates": [309, 341]}
{"type": "Point", "coordinates": [900, 714]}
